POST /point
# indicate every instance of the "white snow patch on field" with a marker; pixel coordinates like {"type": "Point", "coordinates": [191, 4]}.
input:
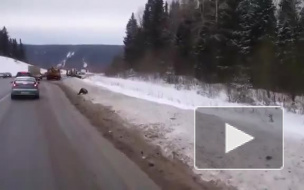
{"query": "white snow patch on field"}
{"type": "Point", "coordinates": [163, 93]}
{"type": "Point", "coordinates": [63, 62]}
{"type": "Point", "coordinates": [168, 119]}
{"type": "Point", "coordinates": [11, 65]}
{"type": "Point", "coordinates": [70, 54]}
{"type": "Point", "coordinates": [159, 92]}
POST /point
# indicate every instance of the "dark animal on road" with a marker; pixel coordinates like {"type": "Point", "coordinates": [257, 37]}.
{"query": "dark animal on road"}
{"type": "Point", "coordinates": [82, 91]}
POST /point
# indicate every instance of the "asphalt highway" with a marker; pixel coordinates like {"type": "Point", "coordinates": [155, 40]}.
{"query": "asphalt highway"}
{"type": "Point", "coordinates": [47, 144]}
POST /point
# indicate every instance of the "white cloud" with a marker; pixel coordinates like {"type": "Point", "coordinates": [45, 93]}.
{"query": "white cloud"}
{"type": "Point", "coordinates": [67, 36]}
{"type": "Point", "coordinates": [68, 21]}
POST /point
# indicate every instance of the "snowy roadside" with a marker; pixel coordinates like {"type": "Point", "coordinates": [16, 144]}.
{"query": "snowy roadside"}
{"type": "Point", "coordinates": [11, 65]}
{"type": "Point", "coordinates": [172, 128]}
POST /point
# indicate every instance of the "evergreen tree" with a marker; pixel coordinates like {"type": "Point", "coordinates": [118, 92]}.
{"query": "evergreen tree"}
{"type": "Point", "coordinates": [183, 46]}
{"type": "Point", "coordinates": [14, 49]}
{"type": "Point", "coordinates": [301, 22]}
{"type": "Point", "coordinates": [4, 42]}
{"type": "Point", "coordinates": [9, 47]}
{"type": "Point", "coordinates": [257, 21]}
{"type": "Point", "coordinates": [227, 53]}
{"type": "Point", "coordinates": [291, 68]}
{"type": "Point", "coordinates": [147, 24]}
{"type": "Point", "coordinates": [205, 41]}
{"type": "Point", "coordinates": [154, 22]}
{"type": "Point", "coordinates": [1, 39]}
{"type": "Point", "coordinates": [166, 9]}
{"type": "Point", "coordinates": [301, 36]}
{"type": "Point", "coordinates": [21, 51]}
{"type": "Point", "coordinates": [247, 21]}
{"type": "Point", "coordinates": [265, 22]}
{"type": "Point", "coordinates": [166, 35]}
{"type": "Point", "coordinates": [219, 39]}
{"type": "Point", "coordinates": [263, 48]}
{"type": "Point", "coordinates": [130, 41]}
{"type": "Point", "coordinates": [175, 16]}
{"type": "Point", "coordinates": [288, 30]}
{"type": "Point", "coordinates": [158, 19]}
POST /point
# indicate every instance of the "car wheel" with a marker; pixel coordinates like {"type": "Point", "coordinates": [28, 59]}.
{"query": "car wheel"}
{"type": "Point", "coordinates": [13, 97]}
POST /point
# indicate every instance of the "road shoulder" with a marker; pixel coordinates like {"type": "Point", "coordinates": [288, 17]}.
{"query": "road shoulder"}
{"type": "Point", "coordinates": [167, 173]}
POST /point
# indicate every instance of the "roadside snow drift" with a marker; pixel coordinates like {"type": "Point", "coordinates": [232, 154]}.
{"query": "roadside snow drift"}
{"type": "Point", "coordinates": [164, 114]}
{"type": "Point", "coordinates": [159, 92]}
{"type": "Point", "coordinates": [163, 93]}
{"type": "Point", "coordinates": [11, 65]}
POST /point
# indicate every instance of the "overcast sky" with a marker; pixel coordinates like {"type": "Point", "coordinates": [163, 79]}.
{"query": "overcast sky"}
{"type": "Point", "coordinates": [68, 21]}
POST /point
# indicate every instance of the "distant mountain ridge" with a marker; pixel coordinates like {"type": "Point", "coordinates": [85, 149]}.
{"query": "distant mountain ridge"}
{"type": "Point", "coordinates": [95, 57]}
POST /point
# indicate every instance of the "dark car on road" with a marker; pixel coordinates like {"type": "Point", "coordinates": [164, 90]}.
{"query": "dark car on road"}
{"type": "Point", "coordinates": [5, 75]}
{"type": "Point", "coordinates": [8, 75]}
{"type": "Point", "coordinates": [38, 77]}
{"type": "Point", "coordinates": [25, 87]}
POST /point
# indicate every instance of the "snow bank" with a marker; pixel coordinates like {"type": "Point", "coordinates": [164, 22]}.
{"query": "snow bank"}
{"type": "Point", "coordinates": [171, 128]}
{"type": "Point", "coordinates": [164, 113]}
{"type": "Point", "coordinates": [12, 66]}
{"type": "Point", "coordinates": [160, 92]}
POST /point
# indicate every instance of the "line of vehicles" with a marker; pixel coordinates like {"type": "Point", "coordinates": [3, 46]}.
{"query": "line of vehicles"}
{"type": "Point", "coordinates": [52, 73]}
{"type": "Point", "coordinates": [5, 75]}
{"type": "Point", "coordinates": [75, 73]}
{"type": "Point", "coordinates": [26, 83]}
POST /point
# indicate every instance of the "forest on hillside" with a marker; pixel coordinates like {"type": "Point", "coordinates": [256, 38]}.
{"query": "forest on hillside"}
{"type": "Point", "coordinates": [10, 47]}
{"type": "Point", "coordinates": [98, 57]}
{"type": "Point", "coordinates": [250, 42]}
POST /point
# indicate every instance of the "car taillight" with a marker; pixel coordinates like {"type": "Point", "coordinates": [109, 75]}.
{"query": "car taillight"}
{"type": "Point", "coordinates": [14, 84]}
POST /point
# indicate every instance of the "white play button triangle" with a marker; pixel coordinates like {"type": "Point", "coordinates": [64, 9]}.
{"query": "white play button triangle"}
{"type": "Point", "coordinates": [235, 138]}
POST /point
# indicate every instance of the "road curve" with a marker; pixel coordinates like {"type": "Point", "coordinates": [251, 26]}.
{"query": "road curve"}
{"type": "Point", "coordinates": [47, 144]}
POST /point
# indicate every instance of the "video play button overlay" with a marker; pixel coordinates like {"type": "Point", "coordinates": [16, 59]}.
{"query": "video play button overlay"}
{"type": "Point", "coordinates": [236, 138]}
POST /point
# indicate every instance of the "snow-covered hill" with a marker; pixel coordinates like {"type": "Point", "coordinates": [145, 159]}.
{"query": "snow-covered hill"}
{"type": "Point", "coordinates": [11, 65]}
{"type": "Point", "coordinates": [97, 57]}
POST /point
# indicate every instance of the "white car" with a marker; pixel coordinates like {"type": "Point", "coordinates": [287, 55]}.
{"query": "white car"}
{"type": "Point", "coordinates": [25, 87]}
{"type": "Point", "coordinates": [82, 74]}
